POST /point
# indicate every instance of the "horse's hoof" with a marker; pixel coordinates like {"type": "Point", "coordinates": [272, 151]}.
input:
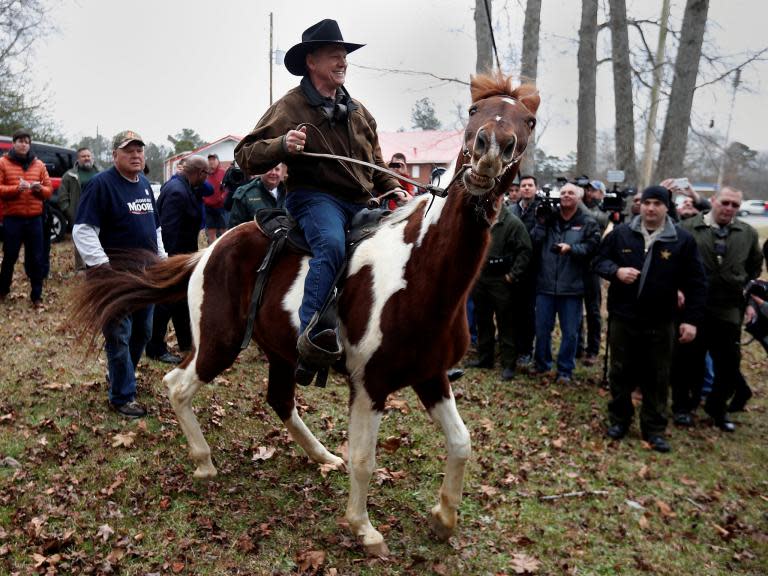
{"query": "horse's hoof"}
{"type": "Point", "coordinates": [205, 472]}
{"type": "Point", "coordinates": [337, 463]}
{"type": "Point", "coordinates": [378, 550]}
{"type": "Point", "coordinates": [438, 527]}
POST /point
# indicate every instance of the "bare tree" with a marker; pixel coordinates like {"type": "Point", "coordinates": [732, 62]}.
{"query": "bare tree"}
{"type": "Point", "coordinates": [650, 127]}
{"type": "Point", "coordinates": [529, 67]}
{"type": "Point", "coordinates": [586, 139]}
{"type": "Point", "coordinates": [483, 36]}
{"type": "Point", "coordinates": [622, 91]}
{"type": "Point", "coordinates": [675, 135]}
{"type": "Point", "coordinates": [22, 23]}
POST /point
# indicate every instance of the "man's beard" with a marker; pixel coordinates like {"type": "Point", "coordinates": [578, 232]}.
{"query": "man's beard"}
{"type": "Point", "coordinates": [87, 165]}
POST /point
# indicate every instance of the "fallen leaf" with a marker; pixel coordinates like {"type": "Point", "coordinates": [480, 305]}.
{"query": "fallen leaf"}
{"type": "Point", "coordinates": [311, 560]}
{"type": "Point", "coordinates": [524, 564]}
{"type": "Point", "coordinates": [263, 453]}
{"type": "Point", "coordinates": [177, 567]}
{"type": "Point", "coordinates": [643, 522]}
{"type": "Point", "coordinates": [440, 569]}
{"type": "Point", "coordinates": [391, 444]}
{"type": "Point", "coordinates": [123, 439]}
{"type": "Point", "coordinates": [665, 509]}
{"type": "Point", "coordinates": [10, 462]}
{"type": "Point", "coordinates": [396, 404]}
{"type": "Point", "coordinates": [489, 491]}
{"type": "Point", "coordinates": [104, 532]}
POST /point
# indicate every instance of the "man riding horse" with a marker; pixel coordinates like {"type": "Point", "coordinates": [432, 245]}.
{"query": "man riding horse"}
{"type": "Point", "coordinates": [319, 116]}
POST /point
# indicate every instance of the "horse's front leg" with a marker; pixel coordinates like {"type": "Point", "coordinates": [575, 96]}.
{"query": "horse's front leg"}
{"type": "Point", "coordinates": [437, 397]}
{"type": "Point", "coordinates": [364, 423]}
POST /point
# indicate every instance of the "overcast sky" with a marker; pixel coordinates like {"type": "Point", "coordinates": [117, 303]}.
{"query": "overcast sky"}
{"type": "Point", "coordinates": [157, 66]}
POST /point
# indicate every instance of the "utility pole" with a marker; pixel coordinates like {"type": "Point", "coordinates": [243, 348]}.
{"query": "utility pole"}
{"type": "Point", "coordinates": [650, 129]}
{"type": "Point", "coordinates": [271, 57]}
{"type": "Point", "coordinates": [721, 171]}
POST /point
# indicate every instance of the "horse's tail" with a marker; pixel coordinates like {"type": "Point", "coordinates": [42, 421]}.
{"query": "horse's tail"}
{"type": "Point", "coordinates": [111, 292]}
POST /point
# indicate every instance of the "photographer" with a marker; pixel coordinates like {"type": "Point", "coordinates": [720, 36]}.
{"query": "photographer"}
{"type": "Point", "coordinates": [564, 241]}
{"type": "Point", "coordinates": [683, 187]}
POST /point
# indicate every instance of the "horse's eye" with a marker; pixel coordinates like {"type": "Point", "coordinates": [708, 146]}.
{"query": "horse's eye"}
{"type": "Point", "coordinates": [472, 110]}
{"type": "Point", "coordinates": [531, 123]}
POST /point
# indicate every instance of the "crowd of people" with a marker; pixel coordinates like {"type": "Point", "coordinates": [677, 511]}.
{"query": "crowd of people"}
{"type": "Point", "coordinates": [676, 275]}
{"type": "Point", "coordinates": [676, 301]}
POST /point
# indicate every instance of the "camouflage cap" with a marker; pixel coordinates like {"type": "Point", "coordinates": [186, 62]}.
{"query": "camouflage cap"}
{"type": "Point", "coordinates": [122, 139]}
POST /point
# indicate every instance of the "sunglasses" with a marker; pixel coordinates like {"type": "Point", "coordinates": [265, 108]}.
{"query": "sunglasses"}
{"type": "Point", "coordinates": [395, 164]}
{"type": "Point", "coordinates": [730, 204]}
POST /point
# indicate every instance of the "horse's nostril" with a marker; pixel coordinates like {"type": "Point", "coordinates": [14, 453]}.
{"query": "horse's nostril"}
{"type": "Point", "coordinates": [509, 151]}
{"type": "Point", "coordinates": [481, 142]}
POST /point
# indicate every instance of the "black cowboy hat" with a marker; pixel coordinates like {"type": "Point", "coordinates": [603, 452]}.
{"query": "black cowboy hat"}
{"type": "Point", "coordinates": [324, 32]}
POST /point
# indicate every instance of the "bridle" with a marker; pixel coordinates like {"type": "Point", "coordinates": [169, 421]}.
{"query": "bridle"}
{"type": "Point", "coordinates": [481, 202]}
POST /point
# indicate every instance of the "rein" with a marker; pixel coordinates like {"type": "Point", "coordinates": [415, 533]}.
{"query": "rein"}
{"type": "Point", "coordinates": [434, 190]}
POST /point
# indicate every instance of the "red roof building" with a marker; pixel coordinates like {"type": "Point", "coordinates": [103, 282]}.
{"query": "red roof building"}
{"type": "Point", "coordinates": [423, 149]}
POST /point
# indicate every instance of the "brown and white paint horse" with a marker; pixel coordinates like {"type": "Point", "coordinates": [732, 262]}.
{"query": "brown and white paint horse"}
{"type": "Point", "coordinates": [402, 310]}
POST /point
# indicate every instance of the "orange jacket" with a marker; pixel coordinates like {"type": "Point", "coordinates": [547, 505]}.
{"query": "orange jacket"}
{"type": "Point", "coordinates": [25, 203]}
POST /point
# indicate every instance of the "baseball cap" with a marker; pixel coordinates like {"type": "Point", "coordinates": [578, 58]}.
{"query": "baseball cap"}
{"type": "Point", "coordinates": [597, 185]}
{"type": "Point", "coordinates": [122, 139]}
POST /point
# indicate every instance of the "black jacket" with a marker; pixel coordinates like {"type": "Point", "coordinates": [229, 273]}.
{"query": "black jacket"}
{"type": "Point", "coordinates": [673, 263]}
{"type": "Point", "coordinates": [180, 216]}
{"type": "Point", "coordinates": [563, 274]}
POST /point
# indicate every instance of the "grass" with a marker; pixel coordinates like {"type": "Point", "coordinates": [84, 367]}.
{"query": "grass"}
{"type": "Point", "coordinates": [78, 505]}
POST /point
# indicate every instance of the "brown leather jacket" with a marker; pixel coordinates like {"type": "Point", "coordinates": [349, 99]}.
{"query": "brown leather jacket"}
{"type": "Point", "coordinates": [356, 138]}
{"type": "Point", "coordinates": [25, 203]}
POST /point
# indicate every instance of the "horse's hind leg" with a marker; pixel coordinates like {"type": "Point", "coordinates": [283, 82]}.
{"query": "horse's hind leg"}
{"type": "Point", "coordinates": [437, 397]}
{"type": "Point", "coordinates": [280, 396]}
{"type": "Point", "coordinates": [182, 383]}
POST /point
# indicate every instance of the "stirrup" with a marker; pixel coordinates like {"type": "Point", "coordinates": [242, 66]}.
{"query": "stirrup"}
{"type": "Point", "coordinates": [320, 350]}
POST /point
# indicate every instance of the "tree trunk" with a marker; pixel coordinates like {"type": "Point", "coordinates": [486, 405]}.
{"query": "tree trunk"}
{"type": "Point", "coordinates": [586, 140]}
{"type": "Point", "coordinates": [650, 127]}
{"type": "Point", "coordinates": [675, 135]}
{"type": "Point", "coordinates": [622, 91]}
{"type": "Point", "coordinates": [528, 69]}
{"type": "Point", "coordinates": [483, 37]}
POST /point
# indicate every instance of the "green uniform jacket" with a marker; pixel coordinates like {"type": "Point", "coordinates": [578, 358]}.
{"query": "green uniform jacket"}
{"type": "Point", "coordinates": [509, 241]}
{"type": "Point", "coordinates": [72, 184]}
{"type": "Point", "coordinates": [252, 197]}
{"type": "Point", "coordinates": [354, 137]}
{"type": "Point", "coordinates": [727, 278]}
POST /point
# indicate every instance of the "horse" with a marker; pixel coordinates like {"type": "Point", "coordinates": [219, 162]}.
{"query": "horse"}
{"type": "Point", "coordinates": [408, 282]}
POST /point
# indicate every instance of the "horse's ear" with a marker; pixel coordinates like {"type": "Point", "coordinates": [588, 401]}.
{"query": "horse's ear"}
{"type": "Point", "coordinates": [528, 95]}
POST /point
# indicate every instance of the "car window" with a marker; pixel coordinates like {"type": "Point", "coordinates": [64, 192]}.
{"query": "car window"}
{"type": "Point", "coordinates": [57, 160]}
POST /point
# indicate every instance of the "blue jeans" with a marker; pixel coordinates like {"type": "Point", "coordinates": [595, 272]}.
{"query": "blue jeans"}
{"type": "Point", "coordinates": [29, 232]}
{"type": "Point", "coordinates": [568, 311]}
{"type": "Point", "coordinates": [125, 341]}
{"type": "Point", "coordinates": [324, 220]}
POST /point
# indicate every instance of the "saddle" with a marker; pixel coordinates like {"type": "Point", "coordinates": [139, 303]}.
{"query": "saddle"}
{"type": "Point", "coordinates": [284, 233]}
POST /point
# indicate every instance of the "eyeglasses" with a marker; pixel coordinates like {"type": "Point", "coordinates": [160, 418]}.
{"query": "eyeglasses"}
{"type": "Point", "coordinates": [730, 204]}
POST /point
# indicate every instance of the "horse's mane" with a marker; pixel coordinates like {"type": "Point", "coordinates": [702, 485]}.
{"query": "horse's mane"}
{"type": "Point", "coordinates": [484, 86]}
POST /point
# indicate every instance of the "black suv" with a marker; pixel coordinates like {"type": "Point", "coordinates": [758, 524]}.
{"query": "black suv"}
{"type": "Point", "coordinates": [57, 160]}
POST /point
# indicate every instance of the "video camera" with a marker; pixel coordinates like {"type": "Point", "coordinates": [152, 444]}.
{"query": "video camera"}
{"type": "Point", "coordinates": [548, 204]}
{"type": "Point", "coordinates": [614, 202]}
